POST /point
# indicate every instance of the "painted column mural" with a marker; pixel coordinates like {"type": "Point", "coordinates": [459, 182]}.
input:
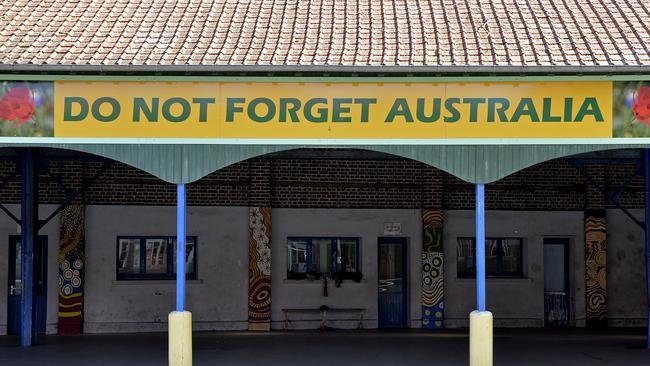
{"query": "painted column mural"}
{"type": "Point", "coordinates": [432, 270]}
{"type": "Point", "coordinates": [259, 269]}
{"type": "Point", "coordinates": [596, 268]}
{"type": "Point", "coordinates": [71, 270]}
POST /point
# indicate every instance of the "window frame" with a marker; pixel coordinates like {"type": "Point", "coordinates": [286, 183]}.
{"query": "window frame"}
{"type": "Point", "coordinates": [310, 259]}
{"type": "Point", "coordinates": [170, 274]}
{"type": "Point", "coordinates": [499, 259]}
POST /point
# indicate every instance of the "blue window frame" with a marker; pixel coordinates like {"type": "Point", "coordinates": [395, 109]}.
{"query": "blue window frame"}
{"type": "Point", "coordinates": [321, 255]}
{"type": "Point", "coordinates": [152, 257]}
{"type": "Point", "coordinates": [503, 257]}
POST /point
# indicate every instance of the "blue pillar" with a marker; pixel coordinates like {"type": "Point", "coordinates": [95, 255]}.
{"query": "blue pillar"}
{"type": "Point", "coordinates": [480, 246]}
{"type": "Point", "coordinates": [28, 231]}
{"type": "Point", "coordinates": [180, 248]}
{"type": "Point", "coordinates": [646, 181]}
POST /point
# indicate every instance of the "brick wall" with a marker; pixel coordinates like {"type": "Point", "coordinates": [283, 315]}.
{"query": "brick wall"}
{"type": "Point", "coordinates": [548, 186]}
{"type": "Point", "coordinates": [553, 185]}
{"type": "Point", "coordinates": [347, 183]}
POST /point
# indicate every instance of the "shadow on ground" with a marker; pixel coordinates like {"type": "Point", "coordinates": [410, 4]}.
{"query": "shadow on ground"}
{"type": "Point", "coordinates": [572, 347]}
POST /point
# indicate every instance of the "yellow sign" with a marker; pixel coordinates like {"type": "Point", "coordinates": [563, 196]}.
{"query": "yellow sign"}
{"type": "Point", "coordinates": [332, 110]}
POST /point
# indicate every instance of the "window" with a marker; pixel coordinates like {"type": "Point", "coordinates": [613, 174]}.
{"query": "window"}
{"type": "Point", "coordinates": [503, 257]}
{"type": "Point", "coordinates": [317, 256]}
{"type": "Point", "coordinates": [153, 257]}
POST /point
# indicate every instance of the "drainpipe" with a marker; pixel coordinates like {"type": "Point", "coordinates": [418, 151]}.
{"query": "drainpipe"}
{"type": "Point", "coordinates": [646, 181]}
{"type": "Point", "coordinates": [28, 232]}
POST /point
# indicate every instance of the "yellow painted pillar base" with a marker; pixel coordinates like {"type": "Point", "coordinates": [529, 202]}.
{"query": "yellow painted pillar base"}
{"type": "Point", "coordinates": [259, 327]}
{"type": "Point", "coordinates": [180, 338]}
{"type": "Point", "coordinates": [480, 338]}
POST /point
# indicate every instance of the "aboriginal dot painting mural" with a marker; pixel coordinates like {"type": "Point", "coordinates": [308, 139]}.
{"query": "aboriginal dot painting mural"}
{"type": "Point", "coordinates": [71, 270]}
{"type": "Point", "coordinates": [259, 269]}
{"type": "Point", "coordinates": [432, 270]}
{"type": "Point", "coordinates": [596, 267]}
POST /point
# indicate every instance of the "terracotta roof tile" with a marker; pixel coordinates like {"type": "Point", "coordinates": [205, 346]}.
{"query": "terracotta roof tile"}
{"type": "Point", "coordinates": [326, 32]}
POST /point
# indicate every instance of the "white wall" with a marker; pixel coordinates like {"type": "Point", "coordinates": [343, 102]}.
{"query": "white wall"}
{"type": "Point", "coordinates": [51, 229]}
{"type": "Point", "coordinates": [514, 302]}
{"type": "Point", "coordinates": [368, 225]}
{"type": "Point", "coordinates": [217, 300]}
{"type": "Point", "coordinates": [626, 276]}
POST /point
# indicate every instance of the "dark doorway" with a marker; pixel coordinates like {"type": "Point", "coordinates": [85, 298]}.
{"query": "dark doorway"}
{"type": "Point", "coordinates": [392, 282]}
{"type": "Point", "coordinates": [557, 298]}
{"type": "Point", "coordinates": [15, 287]}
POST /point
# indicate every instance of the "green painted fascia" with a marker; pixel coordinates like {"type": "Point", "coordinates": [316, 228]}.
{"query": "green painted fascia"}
{"type": "Point", "coordinates": [186, 163]}
{"type": "Point", "coordinates": [324, 79]}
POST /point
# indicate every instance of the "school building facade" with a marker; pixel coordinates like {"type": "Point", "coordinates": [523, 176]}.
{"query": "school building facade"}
{"type": "Point", "coordinates": [323, 164]}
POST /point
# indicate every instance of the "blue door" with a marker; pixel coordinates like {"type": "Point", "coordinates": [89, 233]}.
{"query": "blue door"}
{"type": "Point", "coordinates": [15, 285]}
{"type": "Point", "coordinates": [392, 283]}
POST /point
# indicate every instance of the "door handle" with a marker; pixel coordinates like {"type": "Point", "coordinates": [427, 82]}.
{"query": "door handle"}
{"type": "Point", "coordinates": [12, 290]}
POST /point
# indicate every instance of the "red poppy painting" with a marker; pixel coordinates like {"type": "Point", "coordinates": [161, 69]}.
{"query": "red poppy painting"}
{"type": "Point", "coordinates": [26, 109]}
{"type": "Point", "coordinates": [641, 105]}
{"type": "Point", "coordinates": [631, 103]}
{"type": "Point", "coordinates": [17, 105]}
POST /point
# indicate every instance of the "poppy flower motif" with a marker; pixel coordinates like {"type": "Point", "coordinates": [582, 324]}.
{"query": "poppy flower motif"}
{"type": "Point", "coordinates": [641, 105]}
{"type": "Point", "coordinates": [17, 105]}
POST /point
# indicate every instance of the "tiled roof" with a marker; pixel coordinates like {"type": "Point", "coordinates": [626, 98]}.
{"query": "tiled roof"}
{"type": "Point", "coordinates": [326, 33]}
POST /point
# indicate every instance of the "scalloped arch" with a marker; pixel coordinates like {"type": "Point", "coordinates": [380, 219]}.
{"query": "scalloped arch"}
{"type": "Point", "coordinates": [179, 163]}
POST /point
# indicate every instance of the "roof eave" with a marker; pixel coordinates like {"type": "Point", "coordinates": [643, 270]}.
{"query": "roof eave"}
{"type": "Point", "coordinates": [323, 69]}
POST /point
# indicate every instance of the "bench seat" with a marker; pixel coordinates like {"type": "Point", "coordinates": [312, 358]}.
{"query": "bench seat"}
{"type": "Point", "coordinates": [323, 314]}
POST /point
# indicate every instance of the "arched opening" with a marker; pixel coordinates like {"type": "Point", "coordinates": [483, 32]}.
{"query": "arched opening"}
{"type": "Point", "coordinates": [74, 196]}
{"type": "Point", "coordinates": [578, 219]}
{"type": "Point", "coordinates": [343, 202]}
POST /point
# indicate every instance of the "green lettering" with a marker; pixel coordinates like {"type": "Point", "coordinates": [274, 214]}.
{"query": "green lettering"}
{"type": "Point", "coordinates": [203, 107]}
{"type": "Point", "coordinates": [292, 110]}
{"type": "Point", "coordinates": [400, 108]}
{"type": "Point", "coordinates": [115, 109]}
{"type": "Point", "coordinates": [365, 107]}
{"type": "Point", "coordinates": [167, 110]}
{"type": "Point", "coordinates": [451, 108]}
{"type": "Point", "coordinates": [546, 112]}
{"type": "Point", "coordinates": [337, 109]}
{"type": "Point", "coordinates": [231, 108]}
{"type": "Point", "coordinates": [504, 104]}
{"type": "Point", "coordinates": [270, 110]}
{"type": "Point", "coordinates": [589, 107]}
{"type": "Point", "coordinates": [435, 110]}
{"type": "Point", "coordinates": [67, 109]}
{"type": "Point", "coordinates": [568, 109]}
{"type": "Point", "coordinates": [140, 106]}
{"type": "Point", "coordinates": [525, 108]}
{"type": "Point", "coordinates": [322, 112]}
{"type": "Point", "coordinates": [473, 107]}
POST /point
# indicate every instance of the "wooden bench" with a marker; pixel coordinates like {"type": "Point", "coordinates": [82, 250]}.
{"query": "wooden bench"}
{"type": "Point", "coordinates": [323, 314]}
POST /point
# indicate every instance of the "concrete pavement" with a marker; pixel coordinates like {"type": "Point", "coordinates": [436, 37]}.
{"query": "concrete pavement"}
{"type": "Point", "coordinates": [573, 347]}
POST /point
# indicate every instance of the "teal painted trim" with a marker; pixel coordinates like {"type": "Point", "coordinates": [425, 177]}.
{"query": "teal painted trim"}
{"type": "Point", "coordinates": [44, 141]}
{"type": "Point", "coordinates": [324, 79]}
{"type": "Point", "coordinates": [186, 163]}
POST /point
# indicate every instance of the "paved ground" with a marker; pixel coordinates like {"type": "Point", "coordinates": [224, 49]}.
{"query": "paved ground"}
{"type": "Point", "coordinates": [512, 347]}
